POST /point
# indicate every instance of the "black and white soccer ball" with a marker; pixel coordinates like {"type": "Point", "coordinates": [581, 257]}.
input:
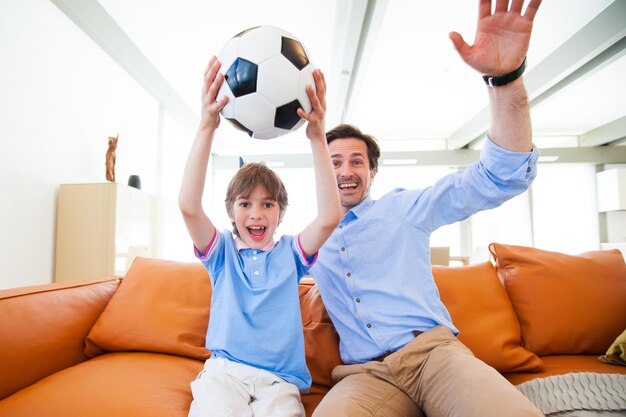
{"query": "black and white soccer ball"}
{"type": "Point", "coordinates": [266, 71]}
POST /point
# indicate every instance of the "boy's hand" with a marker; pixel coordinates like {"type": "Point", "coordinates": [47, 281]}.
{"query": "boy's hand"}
{"type": "Point", "coordinates": [316, 128]}
{"type": "Point", "coordinates": [210, 112]}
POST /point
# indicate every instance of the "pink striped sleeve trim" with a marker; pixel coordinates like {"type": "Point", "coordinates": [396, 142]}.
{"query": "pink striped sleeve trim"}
{"type": "Point", "coordinates": [303, 255]}
{"type": "Point", "coordinates": [209, 249]}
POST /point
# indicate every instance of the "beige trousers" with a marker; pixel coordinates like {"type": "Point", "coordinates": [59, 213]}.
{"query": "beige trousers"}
{"type": "Point", "coordinates": [435, 375]}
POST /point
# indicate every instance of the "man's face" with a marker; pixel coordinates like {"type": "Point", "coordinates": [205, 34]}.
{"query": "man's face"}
{"type": "Point", "coordinates": [354, 176]}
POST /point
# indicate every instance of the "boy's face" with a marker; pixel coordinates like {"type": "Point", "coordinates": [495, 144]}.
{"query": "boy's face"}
{"type": "Point", "coordinates": [256, 217]}
{"type": "Point", "coordinates": [354, 176]}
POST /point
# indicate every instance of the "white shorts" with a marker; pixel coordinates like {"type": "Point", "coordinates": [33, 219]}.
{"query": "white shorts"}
{"type": "Point", "coordinates": [229, 389]}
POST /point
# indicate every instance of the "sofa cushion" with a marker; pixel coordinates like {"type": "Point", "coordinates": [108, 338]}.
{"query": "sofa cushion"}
{"type": "Point", "coordinates": [160, 306]}
{"type": "Point", "coordinates": [565, 304]}
{"type": "Point", "coordinates": [483, 313]}
{"type": "Point", "coordinates": [121, 384]}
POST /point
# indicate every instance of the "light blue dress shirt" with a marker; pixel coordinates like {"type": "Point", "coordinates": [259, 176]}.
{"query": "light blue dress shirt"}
{"type": "Point", "coordinates": [255, 308]}
{"type": "Point", "coordinates": [374, 272]}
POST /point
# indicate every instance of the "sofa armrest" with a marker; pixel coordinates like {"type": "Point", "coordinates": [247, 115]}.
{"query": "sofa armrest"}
{"type": "Point", "coordinates": [43, 328]}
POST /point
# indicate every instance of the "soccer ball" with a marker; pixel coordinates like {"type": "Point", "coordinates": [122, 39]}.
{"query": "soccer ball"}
{"type": "Point", "coordinates": [266, 71]}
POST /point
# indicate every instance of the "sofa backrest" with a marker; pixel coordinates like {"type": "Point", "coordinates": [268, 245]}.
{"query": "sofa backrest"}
{"type": "Point", "coordinates": [43, 328]}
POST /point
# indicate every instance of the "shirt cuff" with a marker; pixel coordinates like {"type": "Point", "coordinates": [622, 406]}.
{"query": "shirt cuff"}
{"type": "Point", "coordinates": [509, 165]}
{"type": "Point", "coordinates": [307, 261]}
{"type": "Point", "coordinates": [209, 249]}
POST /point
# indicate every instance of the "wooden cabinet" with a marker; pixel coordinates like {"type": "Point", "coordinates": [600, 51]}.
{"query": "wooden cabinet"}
{"type": "Point", "coordinates": [101, 228]}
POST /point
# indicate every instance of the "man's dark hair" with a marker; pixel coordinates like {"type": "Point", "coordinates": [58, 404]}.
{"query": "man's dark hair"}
{"type": "Point", "coordinates": [351, 131]}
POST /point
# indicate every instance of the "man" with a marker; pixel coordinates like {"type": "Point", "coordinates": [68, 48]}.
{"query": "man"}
{"type": "Point", "coordinates": [374, 274]}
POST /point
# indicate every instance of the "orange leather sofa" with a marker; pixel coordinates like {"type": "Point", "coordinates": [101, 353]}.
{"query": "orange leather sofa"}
{"type": "Point", "coordinates": [130, 346]}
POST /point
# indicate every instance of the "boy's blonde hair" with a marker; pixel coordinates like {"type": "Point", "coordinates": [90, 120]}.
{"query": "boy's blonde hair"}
{"type": "Point", "coordinates": [246, 179]}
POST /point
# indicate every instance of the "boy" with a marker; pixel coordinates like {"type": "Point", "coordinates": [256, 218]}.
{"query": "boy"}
{"type": "Point", "coordinates": [258, 365]}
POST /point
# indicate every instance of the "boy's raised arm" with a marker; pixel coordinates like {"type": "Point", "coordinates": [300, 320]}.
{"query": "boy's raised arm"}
{"type": "Point", "coordinates": [198, 223]}
{"type": "Point", "coordinates": [328, 207]}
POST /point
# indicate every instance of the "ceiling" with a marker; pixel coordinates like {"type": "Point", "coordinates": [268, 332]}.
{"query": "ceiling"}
{"type": "Point", "coordinates": [390, 68]}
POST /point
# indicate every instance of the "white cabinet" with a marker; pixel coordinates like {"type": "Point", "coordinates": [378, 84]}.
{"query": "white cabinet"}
{"type": "Point", "coordinates": [611, 189]}
{"type": "Point", "coordinates": [612, 203]}
{"type": "Point", "coordinates": [101, 228]}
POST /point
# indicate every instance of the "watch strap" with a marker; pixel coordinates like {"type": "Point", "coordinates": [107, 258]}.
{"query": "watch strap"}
{"type": "Point", "coordinates": [500, 80]}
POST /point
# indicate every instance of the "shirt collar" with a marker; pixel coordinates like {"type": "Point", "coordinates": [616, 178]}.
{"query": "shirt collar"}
{"type": "Point", "coordinates": [358, 211]}
{"type": "Point", "coordinates": [240, 244]}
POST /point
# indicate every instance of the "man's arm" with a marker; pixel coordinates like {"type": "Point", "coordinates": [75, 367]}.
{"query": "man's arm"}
{"type": "Point", "coordinates": [501, 43]}
{"type": "Point", "coordinates": [199, 225]}
{"type": "Point", "coordinates": [328, 208]}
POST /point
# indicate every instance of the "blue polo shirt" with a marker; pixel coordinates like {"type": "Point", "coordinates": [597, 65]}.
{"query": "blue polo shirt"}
{"type": "Point", "coordinates": [255, 308]}
{"type": "Point", "coordinates": [374, 272]}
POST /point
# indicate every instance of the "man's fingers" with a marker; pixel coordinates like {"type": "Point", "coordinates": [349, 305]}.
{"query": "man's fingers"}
{"type": "Point", "coordinates": [484, 8]}
{"type": "Point", "coordinates": [516, 6]}
{"type": "Point", "coordinates": [459, 43]}
{"type": "Point", "coordinates": [502, 6]}
{"type": "Point", "coordinates": [531, 10]}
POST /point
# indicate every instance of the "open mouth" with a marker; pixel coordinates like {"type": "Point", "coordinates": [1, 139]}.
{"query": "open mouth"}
{"type": "Point", "coordinates": [257, 233]}
{"type": "Point", "coordinates": [347, 185]}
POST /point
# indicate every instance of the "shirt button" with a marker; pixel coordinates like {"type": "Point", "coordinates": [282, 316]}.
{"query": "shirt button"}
{"type": "Point", "coordinates": [343, 249]}
{"type": "Point", "coordinates": [369, 326]}
{"type": "Point", "coordinates": [528, 169]}
{"type": "Point", "coordinates": [254, 252]}
{"type": "Point", "coordinates": [348, 275]}
{"type": "Point", "coordinates": [358, 300]}
{"type": "Point", "coordinates": [254, 258]}
{"type": "Point", "coordinates": [256, 272]}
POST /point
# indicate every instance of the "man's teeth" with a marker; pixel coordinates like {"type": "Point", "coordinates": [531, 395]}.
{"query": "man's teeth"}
{"type": "Point", "coordinates": [347, 185]}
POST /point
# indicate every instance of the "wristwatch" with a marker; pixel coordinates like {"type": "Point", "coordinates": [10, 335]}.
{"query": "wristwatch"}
{"type": "Point", "coordinates": [500, 80]}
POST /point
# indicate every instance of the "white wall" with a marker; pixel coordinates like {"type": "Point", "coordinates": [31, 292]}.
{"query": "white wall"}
{"type": "Point", "coordinates": [565, 210]}
{"type": "Point", "coordinates": [60, 97]}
